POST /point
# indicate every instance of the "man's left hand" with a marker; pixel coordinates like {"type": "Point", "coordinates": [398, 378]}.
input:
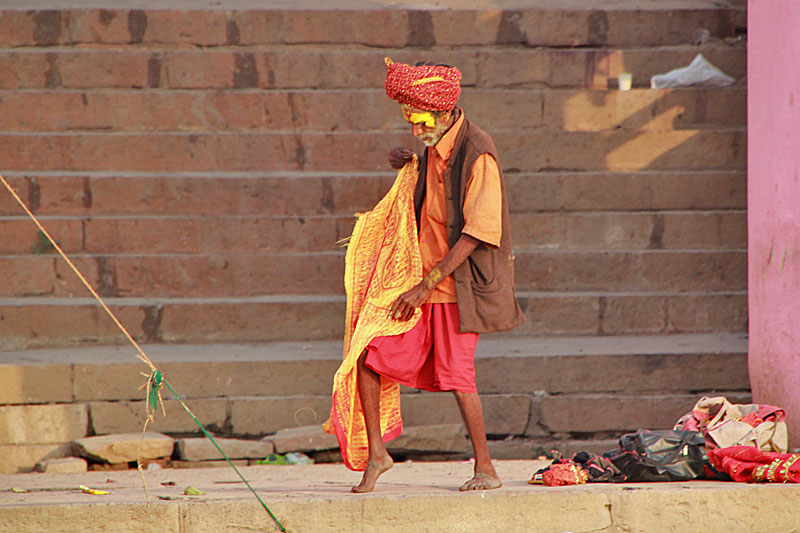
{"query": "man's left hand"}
{"type": "Point", "coordinates": [403, 308]}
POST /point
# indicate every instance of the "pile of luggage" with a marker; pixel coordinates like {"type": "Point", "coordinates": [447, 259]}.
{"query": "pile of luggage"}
{"type": "Point", "coordinates": [716, 440]}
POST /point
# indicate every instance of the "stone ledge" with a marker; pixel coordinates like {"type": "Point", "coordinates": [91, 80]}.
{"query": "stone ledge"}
{"type": "Point", "coordinates": [23, 458]}
{"type": "Point", "coordinates": [504, 414]}
{"type": "Point", "coordinates": [66, 465]}
{"type": "Point", "coordinates": [43, 424]}
{"type": "Point", "coordinates": [129, 416]}
{"type": "Point", "coordinates": [124, 448]}
{"type": "Point", "coordinates": [367, 23]}
{"type": "Point", "coordinates": [303, 439]}
{"type": "Point", "coordinates": [440, 438]}
{"type": "Point", "coordinates": [525, 448]}
{"type": "Point", "coordinates": [413, 497]}
{"type": "Point", "coordinates": [202, 449]}
{"type": "Point", "coordinates": [543, 109]}
{"type": "Point", "coordinates": [620, 413]}
{"type": "Point", "coordinates": [256, 416]}
{"type": "Point", "coordinates": [35, 384]}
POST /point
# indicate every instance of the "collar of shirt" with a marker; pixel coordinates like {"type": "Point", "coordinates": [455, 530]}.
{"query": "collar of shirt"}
{"type": "Point", "coordinates": [445, 145]}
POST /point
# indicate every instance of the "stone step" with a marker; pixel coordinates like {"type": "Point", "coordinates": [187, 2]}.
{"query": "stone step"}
{"type": "Point", "coordinates": [542, 24]}
{"type": "Point", "coordinates": [195, 194]}
{"type": "Point", "coordinates": [539, 416]}
{"type": "Point", "coordinates": [632, 313]}
{"type": "Point", "coordinates": [221, 275]}
{"type": "Point", "coordinates": [32, 322]}
{"type": "Point", "coordinates": [116, 449]}
{"type": "Point", "coordinates": [531, 387]}
{"type": "Point", "coordinates": [193, 235]}
{"type": "Point", "coordinates": [210, 235]}
{"type": "Point", "coordinates": [595, 191]}
{"type": "Point", "coordinates": [319, 67]}
{"type": "Point", "coordinates": [541, 393]}
{"type": "Point", "coordinates": [308, 193]}
{"type": "Point", "coordinates": [707, 149]}
{"type": "Point", "coordinates": [202, 449]}
{"type": "Point", "coordinates": [637, 271]}
{"type": "Point", "coordinates": [414, 496]}
{"type": "Point", "coordinates": [559, 366]}
{"type": "Point", "coordinates": [365, 110]}
{"type": "Point", "coordinates": [216, 275]}
{"type": "Point", "coordinates": [609, 231]}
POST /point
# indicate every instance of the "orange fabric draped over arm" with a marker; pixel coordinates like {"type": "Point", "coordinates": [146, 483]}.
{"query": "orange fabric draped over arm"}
{"type": "Point", "coordinates": [382, 262]}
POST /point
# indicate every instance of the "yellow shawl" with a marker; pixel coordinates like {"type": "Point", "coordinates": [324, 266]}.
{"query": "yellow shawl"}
{"type": "Point", "coordinates": [382, 262]}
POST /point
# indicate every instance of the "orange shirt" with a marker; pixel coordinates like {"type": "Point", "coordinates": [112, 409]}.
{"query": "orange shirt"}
{"type": "Point", "coordinates": [482, 209]}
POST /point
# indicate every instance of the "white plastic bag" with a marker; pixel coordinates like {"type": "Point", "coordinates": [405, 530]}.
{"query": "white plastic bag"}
{"type": "Point", "coordinates": [699, 72]}
{"type": "Point", "coordinates": [297, 458]}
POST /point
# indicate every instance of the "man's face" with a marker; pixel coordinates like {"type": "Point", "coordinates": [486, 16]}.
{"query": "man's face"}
{"type": "Point", "coordinates": [421, 121]}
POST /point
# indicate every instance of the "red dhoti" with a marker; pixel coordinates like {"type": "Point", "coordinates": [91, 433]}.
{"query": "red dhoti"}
{"type": "Point", "coordinates": [434, 355]}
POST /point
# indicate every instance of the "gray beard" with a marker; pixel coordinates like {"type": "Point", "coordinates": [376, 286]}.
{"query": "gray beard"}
{"type": "Point", "coordinates": [429, 140]}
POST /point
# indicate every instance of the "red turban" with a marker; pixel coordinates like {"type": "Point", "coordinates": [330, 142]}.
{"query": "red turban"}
{"type": "Point", "coordinates": [428, 87]}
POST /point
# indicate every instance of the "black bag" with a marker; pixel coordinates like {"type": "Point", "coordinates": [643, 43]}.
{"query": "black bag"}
{"type": "Point", "coordinates": [660, 455]}
{"type": "Point", "coordinates": [600, 469]}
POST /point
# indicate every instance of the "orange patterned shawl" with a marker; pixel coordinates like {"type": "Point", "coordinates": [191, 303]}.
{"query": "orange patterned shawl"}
{"type": "Point", "coordinates": [382, 262]}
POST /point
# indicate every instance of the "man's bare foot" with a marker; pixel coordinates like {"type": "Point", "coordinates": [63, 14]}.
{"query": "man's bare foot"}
{"type": "Point", "coordinates": [481, 481]}
{"type": "Point", "coordinates": [373, 471]}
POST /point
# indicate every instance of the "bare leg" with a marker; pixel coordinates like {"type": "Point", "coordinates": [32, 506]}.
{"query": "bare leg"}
{"type": "Point", "coordinates": [471, 411]}
{"type": "Point", "coordinates": [369, 388]}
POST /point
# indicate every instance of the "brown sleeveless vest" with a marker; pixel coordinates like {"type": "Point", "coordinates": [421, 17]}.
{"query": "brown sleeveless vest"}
{"type": "Point", "coordinates": [485, 281]}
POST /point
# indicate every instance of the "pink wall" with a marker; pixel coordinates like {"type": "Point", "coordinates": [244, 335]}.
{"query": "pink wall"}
{"type": "Point", "coordinates": [773, 211]}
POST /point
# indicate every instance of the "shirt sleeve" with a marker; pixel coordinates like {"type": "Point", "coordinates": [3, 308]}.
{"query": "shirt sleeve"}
{"type": "Point", "coordinates": [483, 202]}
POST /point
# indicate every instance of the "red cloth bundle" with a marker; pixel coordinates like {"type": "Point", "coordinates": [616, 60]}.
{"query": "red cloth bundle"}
{"type": "Point", "coordinates": [749, 464]}
{"type": "Point", "coordinates": [564, 474]}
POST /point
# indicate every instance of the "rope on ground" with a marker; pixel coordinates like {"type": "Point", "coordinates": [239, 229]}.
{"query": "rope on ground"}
{"type": "Point", "coordinates": [153, 395]}
{"type": "Point", "coordinates": [207, 434]}
{"type": "Point", "coordinates": [154, 380]}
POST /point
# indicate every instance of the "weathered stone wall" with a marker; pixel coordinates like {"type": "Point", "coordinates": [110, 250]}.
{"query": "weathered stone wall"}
{"type": "Point", "coordinates": [200, 165]}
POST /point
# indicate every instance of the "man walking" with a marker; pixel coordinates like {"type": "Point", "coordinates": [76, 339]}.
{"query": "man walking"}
{"type": "Point", "coordinates": [467, 265]}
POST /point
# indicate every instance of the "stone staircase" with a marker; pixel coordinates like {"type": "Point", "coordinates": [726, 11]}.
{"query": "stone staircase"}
{"type": "Point", "coordinates": [539, 393]}
{"type": "Point", "coordinates": [199, 166]}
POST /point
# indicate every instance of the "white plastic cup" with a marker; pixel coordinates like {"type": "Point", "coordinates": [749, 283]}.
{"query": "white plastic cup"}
{"type": "Point", "coordinates": [625, 81]}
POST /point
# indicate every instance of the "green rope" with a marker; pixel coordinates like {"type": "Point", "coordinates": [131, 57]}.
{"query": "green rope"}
{"type": "Point", "coordinates": [207, 434]}
{"type": "Point", "coordinates": [155, 384]}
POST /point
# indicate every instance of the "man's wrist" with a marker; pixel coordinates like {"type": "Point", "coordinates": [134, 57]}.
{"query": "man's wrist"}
{"type": "Point", "coordinates": [432, 279]}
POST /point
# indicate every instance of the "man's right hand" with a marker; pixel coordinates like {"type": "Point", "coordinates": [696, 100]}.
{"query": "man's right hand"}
{"type": "Point", "coordinates": [399, 156]}
{"type": "Point", "coordinates": [404, 306]}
